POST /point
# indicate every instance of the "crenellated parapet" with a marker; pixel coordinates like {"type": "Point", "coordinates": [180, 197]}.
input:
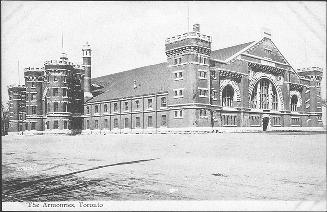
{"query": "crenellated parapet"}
{"type": "Point", "coordinates": [188, 43]}
{"type": "Point", "coordinates": [188, 35]}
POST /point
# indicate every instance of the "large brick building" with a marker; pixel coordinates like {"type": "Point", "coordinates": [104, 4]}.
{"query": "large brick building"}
{"type": "Point", "coordinates": [248, 86]}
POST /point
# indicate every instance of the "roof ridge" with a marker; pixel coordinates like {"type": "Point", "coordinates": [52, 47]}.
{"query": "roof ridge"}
{"type": "Point", "coordinates": [129, 70]}
{"type": "Point", "coordinates": [234, 46]}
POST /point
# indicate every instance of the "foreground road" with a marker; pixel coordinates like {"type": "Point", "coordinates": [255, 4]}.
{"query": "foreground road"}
{"type": "Point", "coordinates": [225, 166]}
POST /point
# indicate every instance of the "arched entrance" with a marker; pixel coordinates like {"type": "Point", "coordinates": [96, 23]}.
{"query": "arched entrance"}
{"type": "Point", "coordinates": [265, 122]}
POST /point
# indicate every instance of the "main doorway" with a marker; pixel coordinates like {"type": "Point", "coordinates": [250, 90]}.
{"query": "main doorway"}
{"type": "Point", "coordinates": [265, 122]}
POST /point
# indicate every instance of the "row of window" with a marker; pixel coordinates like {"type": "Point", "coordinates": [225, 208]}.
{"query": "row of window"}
{"type": "Point", "coordinates": [56, 124]}
{"type": "Point", "coordinates": [199, 58]}
{"type": "Point", "coordinates": [126, 104]}
{"type": "Point", "coordinates": [178, 75]}
{"type": "Point", "coordinates": [127, 122]}
{"type": "Point", "coordinates": [229, 120]}
{"type": "Point", "coordinates": [55, 92]}
{"type": "Point", "coordinates": [276, 121]}
{"type": "Point", "coordinates": [56, 107]}
{"type": "Point", "coordinates": [295, 121]}
{"type": "Point", "coordinates": [56, 78]}
{"type": "Point", "coordinates": [255, 120]}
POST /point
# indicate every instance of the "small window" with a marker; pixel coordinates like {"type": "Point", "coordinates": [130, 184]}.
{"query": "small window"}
{"type": "Point", "coordinates": [49, 108]}
{"type": "Point", "coordinates": [137, 103]}
{"type": "Point", "coordinates": [65, 124]}
{"type": "Point", "coordinates": [115, 123]}
{"type": "Point", "coordinates": [203, 113]}
{"type": "Point", "coordinates": [178, 75]}
{"type": "Point", "coordinates": [213, 74]}
{"type": "Point", "coordinates": [203, 92]}
{"type": "Point", "coordinates": [55, 92]}
{"type": "Point", "coordinates": [214, 95]}
{"type": "Point", "coordinates": [137, 122]}
{"type": "Point", "coordinates": [65, 107]}
{"type": "Point", "coordinates": [126, 106]}
{"type": "Point", "coordinates": [163, 120]}
{"type": "Point", "coordinates": [180, 60]}
{"type": "Point", "coordinates": [55, 106]}
{"type": "Point", "coordinates": [48, 125]}
{"type": "Point", "coordinates": [87, 110]}
{"type": "Point", "coordinates": [149, 103]}
{"type": "Point", "coordinates": [33, 110]}
{"type": "Point", "coordinates": [150, 121]}
{"type": "Point", "coordinates": [33, 126]}
{"type": "Point", "coordinates": [87, 124]}
{"type": "Point", "coordinates": [64, 91]}
{"type": "Point", "coordinates": [202, 74]}
{"type": "Point", "coordinates": [126, 123]}
{"type": "Point", "coordinates": [55, 78]}
{"type": "Point", "coordinates": [96, 108]}
{"type": "Point", "coordinates": [56, 125]}
{"type": "Point", "coordinates": [65, 79]}
{"type": "Point", "coordinates": [163, 102]}
{"type": "Point", "coordinates": [115, 107]}
{"type": "Point", "coordinates": [178, 114]}
{"type": "Point", "coordinates": [105, 108]}
{"type": "Point", "coordinates": [96, 123]}
{"type": "Point", "coordinates": [178, 93]}
{"type": "Point", "coordinates": [106, 125]}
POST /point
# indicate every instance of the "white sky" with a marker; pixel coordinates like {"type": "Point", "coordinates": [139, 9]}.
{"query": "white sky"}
{"type": "Point", "coordinates": [126, 35]}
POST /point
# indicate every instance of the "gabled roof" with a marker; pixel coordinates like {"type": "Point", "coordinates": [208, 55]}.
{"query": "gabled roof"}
{"type": "Point", "coordinates": [149, 79]}
{"type": "Point", "coordinates": [225, 53]}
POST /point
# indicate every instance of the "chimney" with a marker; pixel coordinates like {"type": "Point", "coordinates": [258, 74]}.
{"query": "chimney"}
{"type": "Point", "coordinates": [196, 27]}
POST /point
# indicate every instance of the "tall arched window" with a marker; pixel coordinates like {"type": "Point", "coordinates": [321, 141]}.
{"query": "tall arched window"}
{"type": "Point", "coordinates": [227, 96]}
{"type": "Point", "coordinates": [264, 96]}
{"type": "Point", "coordinates": [294, 103]}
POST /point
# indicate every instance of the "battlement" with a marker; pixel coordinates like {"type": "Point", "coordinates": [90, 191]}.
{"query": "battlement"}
{"type": "Point", "coordinates": [34, 69]}
{"type": "Point", "coordinates": [63, 63]}
{"type": "Point", "coordinates": [188, 35]}
{"type": "Point", "coordinates": [17, 86]}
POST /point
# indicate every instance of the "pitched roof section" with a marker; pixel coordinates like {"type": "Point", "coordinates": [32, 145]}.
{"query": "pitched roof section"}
{"type": "Point", "coordinates": [225, 53]}
{"type": "Point", "coordinates": [149, 79]}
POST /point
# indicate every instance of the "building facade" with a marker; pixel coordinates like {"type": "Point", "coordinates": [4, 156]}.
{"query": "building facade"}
{"type": "Point", "coordinates": [249, 86]}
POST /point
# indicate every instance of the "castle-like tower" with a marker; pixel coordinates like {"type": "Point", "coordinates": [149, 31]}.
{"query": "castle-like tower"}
{"type": "Point", "coordinates": [34, 82]}
{"type": "Point", "coordinates": [17, 108]}
{"type": "Point", "coordinates": [188, 61]}
{"type": "Point", "coordinates": [87, 67]}
{"type": "Point", "coordinates": [63, 94]}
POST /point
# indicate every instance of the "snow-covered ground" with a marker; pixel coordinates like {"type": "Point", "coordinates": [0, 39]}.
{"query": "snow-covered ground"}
{"type": "Point", "coordinates": [224, 166]}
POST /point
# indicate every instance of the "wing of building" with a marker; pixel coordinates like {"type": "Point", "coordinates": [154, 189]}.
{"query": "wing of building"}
{"type": "Point", "coordinates": [250, 86]}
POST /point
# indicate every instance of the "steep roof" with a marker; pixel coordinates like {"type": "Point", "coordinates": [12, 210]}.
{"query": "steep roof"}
{"type": "Point", "coordinates": [149, 79]}
{"type": "Point", "coordinates": [223, 54]}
